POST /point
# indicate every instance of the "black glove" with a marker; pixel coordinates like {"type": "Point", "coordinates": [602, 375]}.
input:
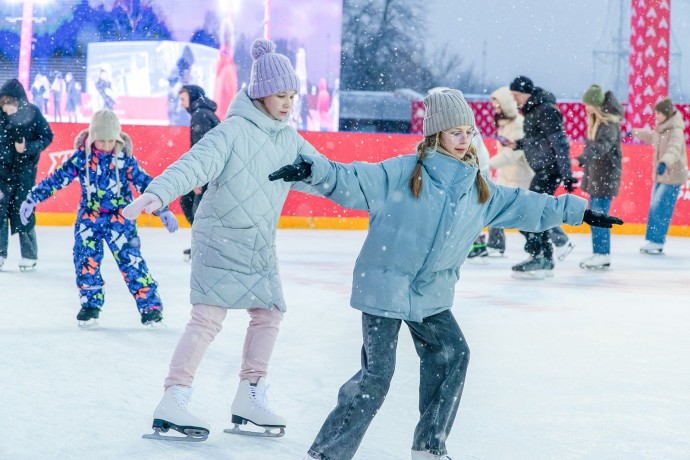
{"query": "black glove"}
{"type": "Point", "coordinates": [292, 173]}
{"type": "Point", "coordinates": [597, 219]}
{"type": "Point", "coordinates": [569, 184]}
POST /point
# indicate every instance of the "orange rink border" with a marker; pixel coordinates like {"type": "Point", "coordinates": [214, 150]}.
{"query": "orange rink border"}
{"type": "Point", "coordinates": [336, 223]}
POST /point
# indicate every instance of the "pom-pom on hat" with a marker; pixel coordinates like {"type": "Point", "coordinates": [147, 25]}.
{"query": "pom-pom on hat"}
{"type": "Point", "coordinates": [594, 96]}
{"type": "Point", "coordinates": [446, 109]}
{"type": "Point", "coordinates": [272, 73]}
{"type": "Point", "coordinates": [105, 126]}
{"type": "Point", "coordinates": [522, 84]}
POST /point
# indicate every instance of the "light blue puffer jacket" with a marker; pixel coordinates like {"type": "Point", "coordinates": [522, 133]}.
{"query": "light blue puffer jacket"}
{"type": "Point", "coordinates": [234, 262]}
{"type": "Point", "coordinates": [410, 261]}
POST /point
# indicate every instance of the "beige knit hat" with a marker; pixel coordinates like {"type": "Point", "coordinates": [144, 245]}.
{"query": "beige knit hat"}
{"type": "Point", "coordinates": [446, 109]}
{"type": "Point", "coordinates": [105, 126]}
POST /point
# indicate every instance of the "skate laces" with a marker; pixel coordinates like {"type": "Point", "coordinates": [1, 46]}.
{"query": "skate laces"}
{"type": "Point", "coordinates": [182, 395]}
{"type": "Point", "coordinates": [260, 397]}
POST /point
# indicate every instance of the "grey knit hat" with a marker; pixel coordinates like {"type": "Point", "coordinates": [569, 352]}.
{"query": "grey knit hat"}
{"type": "Point", "coordinates": [105, 126]}
{"type": "Point", "coordinates": [272, 73]}
{"type": "Point", "coordinates": [446, 109]}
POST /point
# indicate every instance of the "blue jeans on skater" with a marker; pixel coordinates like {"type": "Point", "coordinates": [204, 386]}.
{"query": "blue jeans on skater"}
{"type": "Point", "coordinates": [601, 237]}
{"type": "Point", "coordinates": [661, 208]}
{"type": "Point", "coordinates": [444, 356]}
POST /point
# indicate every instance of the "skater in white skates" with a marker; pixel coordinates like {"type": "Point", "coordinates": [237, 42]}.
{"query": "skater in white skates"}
{"type": "Point", "coordinates": [425, 210]}
{"type": "Point", "coordinates": [24, 134]}
{"type": "Point", "coordinates": [602, 160]}
{"type": "Point", "coordinates": [234, 263]}
{"type": "Point", "coordinates": [669, 169]}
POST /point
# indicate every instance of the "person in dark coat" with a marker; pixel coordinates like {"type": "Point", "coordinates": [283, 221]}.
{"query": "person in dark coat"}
{"type": "Point", "coordinates": [202, 110]}
{"type": "Point", "coordinates": [602, 160]}
{"type": "Point", "coordinates": [24, 134]}
{"type": "Point", "coordinates": [548, 154]}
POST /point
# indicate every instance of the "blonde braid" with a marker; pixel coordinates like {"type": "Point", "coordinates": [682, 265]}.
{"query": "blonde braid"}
{"type": "Point", "coordinates": [416, 179]}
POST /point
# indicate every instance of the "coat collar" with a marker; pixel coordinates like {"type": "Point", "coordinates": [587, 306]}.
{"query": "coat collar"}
{"type": "Point", "coordinates": [242, 106]}
{"type": "Point", "coordinates": [674, 121]}
{"type": "Point", "coordinates": [449, 171]}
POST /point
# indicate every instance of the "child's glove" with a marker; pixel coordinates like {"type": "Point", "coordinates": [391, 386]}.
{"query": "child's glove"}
{"type": "Point", "coordinates": [597, 219]}
{"type": "Point", "coordinates": [292, 173]}
{"type": "Point", "coordinates": [26, 209]}
{"type": "Point", "coordinates": [147, 202]}
{"type": "Point", "coordinates": [661, 169]}
{"type": "Point", "coordinates": [169, 220]}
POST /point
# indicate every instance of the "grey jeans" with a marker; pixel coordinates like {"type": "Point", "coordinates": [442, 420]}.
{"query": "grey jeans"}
{"type": "Point", "coordinates": [444, 356]}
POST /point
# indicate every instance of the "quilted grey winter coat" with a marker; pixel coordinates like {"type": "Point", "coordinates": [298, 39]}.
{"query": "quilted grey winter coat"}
{"type": "Point", "coordinates": [234, 262]}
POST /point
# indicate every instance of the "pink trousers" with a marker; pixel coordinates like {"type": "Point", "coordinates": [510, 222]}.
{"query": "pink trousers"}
{"type": "Point", "coordinates": [205, 324]}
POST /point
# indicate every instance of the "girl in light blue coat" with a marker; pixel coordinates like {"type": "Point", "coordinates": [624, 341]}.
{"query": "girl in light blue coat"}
{"type": "Point", "coordinates": [425, 210]}
{"type": "Point", "coordinates": [234, 264]}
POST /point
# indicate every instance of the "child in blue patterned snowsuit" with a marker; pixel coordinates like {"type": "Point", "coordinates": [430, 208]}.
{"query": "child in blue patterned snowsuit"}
{"type": "Point", "coordinates": [104, 164]}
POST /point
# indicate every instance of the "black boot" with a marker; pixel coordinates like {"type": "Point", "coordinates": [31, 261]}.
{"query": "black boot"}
{"type": "Point", "coordinates": [88, 316]}
{"type": "Point", "coordinates": [151, 316]}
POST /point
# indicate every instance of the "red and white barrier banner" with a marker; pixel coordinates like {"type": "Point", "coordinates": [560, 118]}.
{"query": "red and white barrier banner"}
{"type": "Point", "coordinates": [157, 146]}
{"type": "Point", "coordinates": [574, 119]}
{"type": "Point", "coordinates": [650, 29]}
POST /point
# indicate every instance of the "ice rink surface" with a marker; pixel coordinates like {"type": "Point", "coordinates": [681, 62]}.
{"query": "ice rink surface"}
{"type": "Point", "coordinates": [586, 365]}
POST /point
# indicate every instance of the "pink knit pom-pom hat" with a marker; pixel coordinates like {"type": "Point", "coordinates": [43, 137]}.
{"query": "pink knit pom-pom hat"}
{"type": "Point", "coordinates": [272, 73]}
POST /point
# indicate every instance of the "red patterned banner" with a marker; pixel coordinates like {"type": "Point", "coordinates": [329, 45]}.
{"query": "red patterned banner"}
{"type": "Point", "coordinates": [650, 27]}
{"type": "Point", "coordinates": [574, 119]}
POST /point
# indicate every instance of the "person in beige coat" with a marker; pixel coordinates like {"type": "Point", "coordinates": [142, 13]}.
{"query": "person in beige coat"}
{"type": "Point", "coordinates": [511, 165]}
{"type": "Point", "coordinates": [670, 171]}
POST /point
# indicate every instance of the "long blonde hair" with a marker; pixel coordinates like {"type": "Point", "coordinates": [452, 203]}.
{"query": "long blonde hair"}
{"type": "Point", "coordinates": [596, 118]}
{"type": "Point", "coordinates": [432, 142]}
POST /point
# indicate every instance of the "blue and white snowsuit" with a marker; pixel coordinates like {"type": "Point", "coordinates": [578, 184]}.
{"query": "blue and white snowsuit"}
{"type": "Point", "coordinates": [105, 190]}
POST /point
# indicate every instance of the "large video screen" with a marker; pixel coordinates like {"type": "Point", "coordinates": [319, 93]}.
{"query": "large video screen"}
{"type": "Point", "coordinates": [134, 56]}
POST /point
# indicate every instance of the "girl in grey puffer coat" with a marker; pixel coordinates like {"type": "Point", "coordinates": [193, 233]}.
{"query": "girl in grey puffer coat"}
{"type": "Point", "coordinates": [425, 210]}
{"type": "Point", "coordinates": [234, 263]}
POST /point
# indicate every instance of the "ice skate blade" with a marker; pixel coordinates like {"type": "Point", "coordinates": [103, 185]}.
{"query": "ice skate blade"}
{"type": "Point", "coordinates": [533, 275]}
{"type": "Point", "coordinates": [155, 325]}
{"type": "Point", "coordinates": [24, 269]}
{"type": "Point", "coordinates": [192, 435]}
{"type": "Point", "coordinates": [267, 433]}
{"type": "Point", "coordinates": [596, 268]}
{"type": "Point", "coordinates": [653, 252]}
{"type": "Point", "coordinates": [88, 324]}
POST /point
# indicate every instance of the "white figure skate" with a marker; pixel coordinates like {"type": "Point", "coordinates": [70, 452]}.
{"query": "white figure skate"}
{"type": "Point", "coordinates": [597, 262]}
{"type": "Point", "coordinates": [652, 248]}
{"type": "Point", "coordinates": [172, 413]}
{"type": "Point", "coordinates": [27, 265]}
{"type": "Point", "coordinates": [251, 405]}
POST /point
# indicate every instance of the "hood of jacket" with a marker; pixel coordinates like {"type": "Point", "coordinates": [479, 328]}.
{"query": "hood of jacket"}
{"type": "Point", "coordinates": [80, 142]}
{"type": "Point", "coordinates": [198, 99]}
{"type": "Point", "coordinates": [242, 106]}
{"type": "Point", "coordinates": [538, 97]}
{"type": "Point", "coordinates": [15, 89]}
{"type": "Point", "coordinates": [506, 101]}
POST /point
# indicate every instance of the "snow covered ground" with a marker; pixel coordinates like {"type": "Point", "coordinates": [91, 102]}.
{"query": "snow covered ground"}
{"type": "Point", "coordinates": [587, 365]}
